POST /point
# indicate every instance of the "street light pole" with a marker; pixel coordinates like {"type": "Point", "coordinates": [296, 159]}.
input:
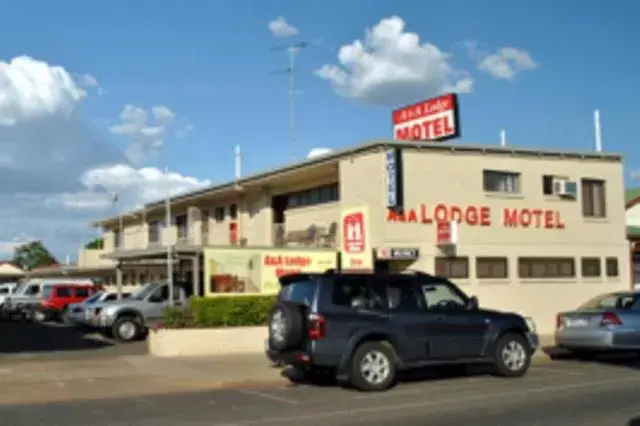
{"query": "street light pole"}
{"type": "Point", "coordinates": [120, 244]}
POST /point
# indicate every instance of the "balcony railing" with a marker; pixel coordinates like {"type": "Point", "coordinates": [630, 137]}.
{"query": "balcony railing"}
{"type": "Point", "coordinates": [317, 236]}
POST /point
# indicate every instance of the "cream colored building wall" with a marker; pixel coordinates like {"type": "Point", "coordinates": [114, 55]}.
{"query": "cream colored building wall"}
{"type": "Point", "coordinates": [320, 215]}
{"type": "Point", "coordinates": [256, 217]}
{"type": "Point", "coordinates": [457, 179]}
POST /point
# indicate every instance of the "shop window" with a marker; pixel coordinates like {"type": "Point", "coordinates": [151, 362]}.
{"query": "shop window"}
{"type": "Point", "coordinates": [218, 214]}
{"type": "Point", "coordinates": [233, 211]}
{"type": "Point", "coordinates": [612, 267]}
{"type": "Point", "coordinates": [593, 198]}
{"type": "Point", "coordinates": [452, 267]}
{"type": "Point", "coordinates": [546, 267]}
{"type": "Point", "coordinates": [505, 182]}
{"type": "Point", "coordinates": [591, 267]}
{"type": "Point", "coordinates": [492, 267]}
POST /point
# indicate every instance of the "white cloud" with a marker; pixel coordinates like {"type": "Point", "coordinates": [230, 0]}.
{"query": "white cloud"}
{"type": "Point", "coordinates": [57, 173]}
{"type": "Point", "coordinates": [504, 64]}
{"type": "Point", "coordinates": [144, 137]}
{"type": "Point", "coordinates": [279, 27]}
{"type": "Point", "coordinates": [88, 81]}
{"type": "Point", "coordinates": [393, 66]}
{"type": "Point", "coordinates": [318, 152]}
{"type": "Point", "coordinates": [134, 187]}
{"type": "Point", "coordinates": [30, 88]}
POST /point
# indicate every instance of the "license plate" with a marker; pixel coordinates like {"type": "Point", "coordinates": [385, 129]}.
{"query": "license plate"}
{"type": "Point", "coordinates": [577, 322]}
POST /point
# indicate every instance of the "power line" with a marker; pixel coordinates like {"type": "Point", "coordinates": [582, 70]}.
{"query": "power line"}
{"type": "Point", "coordinates": [292, 49]}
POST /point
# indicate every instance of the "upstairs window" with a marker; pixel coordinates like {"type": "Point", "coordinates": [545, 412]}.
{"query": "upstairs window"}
{"type": "Point", "coordinates": [501, 182]}
{"type": "Point", "coordinates": [593, 198]}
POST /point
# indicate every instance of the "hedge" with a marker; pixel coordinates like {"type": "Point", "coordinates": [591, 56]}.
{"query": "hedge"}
{"type": "Point", "coordinates": [220, 311]}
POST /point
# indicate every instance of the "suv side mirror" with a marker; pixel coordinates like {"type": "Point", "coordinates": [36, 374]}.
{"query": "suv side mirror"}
{"type": "Point", "coordinates": [472, 303]}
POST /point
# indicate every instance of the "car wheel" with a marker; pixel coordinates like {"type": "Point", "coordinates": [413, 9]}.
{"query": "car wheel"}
{"type": "Point", "coordinates": [512, 357]}
{"type": "Point", "coordinates": [373, 367]}
{"type": "Point", "coordinates": [39, 316]}
{"type": "Point", "coordinates": [126, 329]}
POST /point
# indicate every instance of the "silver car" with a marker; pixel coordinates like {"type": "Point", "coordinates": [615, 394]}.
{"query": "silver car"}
{"type": "Point", "coordinates": [75, 312]}
{"type": "Point", "coordinates": [609, 322]}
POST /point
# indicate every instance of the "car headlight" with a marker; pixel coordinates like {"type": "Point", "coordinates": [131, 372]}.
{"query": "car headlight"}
{"type": "Point", "coordinates": [530, 323]}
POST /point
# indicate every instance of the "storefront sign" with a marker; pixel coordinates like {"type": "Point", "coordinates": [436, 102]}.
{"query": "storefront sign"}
{"type": "Point", "coordinates": [395, 198]}
{"type": "Point", "coordinates": [479, 216]}
{"type": "Point", "coordinates": [435, 119]}
{"type": "Point", "coordinates": [355, 246]}
{"type": "Point", "coordinates": [397, 253]}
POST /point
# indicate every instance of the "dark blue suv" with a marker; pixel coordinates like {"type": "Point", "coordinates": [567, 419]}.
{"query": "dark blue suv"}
{"type": "Point", "coordinates": [363, 328]}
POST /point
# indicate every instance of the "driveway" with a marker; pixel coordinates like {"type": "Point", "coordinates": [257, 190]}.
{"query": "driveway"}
{"type": "Point", "coordinates": [53, 341]}
{"type": "Point", "coordinates": [553, 394]}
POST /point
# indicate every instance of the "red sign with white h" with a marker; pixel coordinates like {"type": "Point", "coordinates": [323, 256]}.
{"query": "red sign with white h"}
{"type": "Point", "coordinates": [353, 236]}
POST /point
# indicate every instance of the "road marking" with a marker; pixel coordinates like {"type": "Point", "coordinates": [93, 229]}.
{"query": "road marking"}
{"type": "Point", "coordinates": [268, 396]}
{"type": "Point", "coordinates": [426, 403]}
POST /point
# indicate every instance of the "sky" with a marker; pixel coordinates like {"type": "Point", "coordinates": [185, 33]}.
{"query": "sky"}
{"type": "Point", "coordinates": [142, 99]}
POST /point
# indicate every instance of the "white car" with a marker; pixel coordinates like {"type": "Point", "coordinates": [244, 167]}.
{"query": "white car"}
{"type": "Point", "coordinates": [5, 290]}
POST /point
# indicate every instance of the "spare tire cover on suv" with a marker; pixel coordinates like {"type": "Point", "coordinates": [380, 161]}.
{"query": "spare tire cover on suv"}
{"type": "Point", "coordinates": [285, 325]}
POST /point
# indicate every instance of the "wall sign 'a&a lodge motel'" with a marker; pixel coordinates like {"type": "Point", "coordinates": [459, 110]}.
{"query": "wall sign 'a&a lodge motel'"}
{"type": "Point", "coordinates": [478, 216]}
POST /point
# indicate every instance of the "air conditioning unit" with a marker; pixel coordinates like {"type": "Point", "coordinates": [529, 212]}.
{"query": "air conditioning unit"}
{"type": "Point", "coordinates": [565, 188]}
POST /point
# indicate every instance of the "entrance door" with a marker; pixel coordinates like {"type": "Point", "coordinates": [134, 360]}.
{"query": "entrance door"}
{"type": "Point", "coordinates": [460, 333]}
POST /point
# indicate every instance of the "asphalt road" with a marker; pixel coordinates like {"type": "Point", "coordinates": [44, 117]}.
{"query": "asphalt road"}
{"type": "Point", "coordinates": [52, 341]}
{"type": "Point", "coordinates": [560, 393]}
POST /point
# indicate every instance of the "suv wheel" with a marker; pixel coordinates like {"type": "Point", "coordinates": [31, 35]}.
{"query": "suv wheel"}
{"type": "Point", "coordinates": [126, 329]}
{"type": "Point", "coordinates": [373, 367]}
{"type": "Point", "coordinates": [512, 357]}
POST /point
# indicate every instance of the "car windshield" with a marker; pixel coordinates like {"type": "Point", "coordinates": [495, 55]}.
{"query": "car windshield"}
{"type": "Point", "coordinates": [94, 298]}
{"type": "Point", "coordinates": [145, 291]}
{"type": "Point", "coordinates": [46, 292]}
{"type": "Point", "coordinates": [610, 301]}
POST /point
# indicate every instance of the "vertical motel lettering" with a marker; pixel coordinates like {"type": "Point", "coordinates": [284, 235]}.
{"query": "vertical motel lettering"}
{"type": "Point", "coordinates": [479, 216]}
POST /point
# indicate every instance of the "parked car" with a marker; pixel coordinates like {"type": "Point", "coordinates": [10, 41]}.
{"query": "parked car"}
{"type": "Point", "coordinates": [27, 295]}
{"type": "Point", "coordinates": [75, 314]}
{"type": "Point", "coordinates": [5, 290]}
{"type": "Point", "coordinates": [56, 299]}
{"type": "Point", "coordinates": [608, 322]}
{"type": "Point", "coordinates": [363, 328]}
{"type": "Point", "coordinates": [129, 320]}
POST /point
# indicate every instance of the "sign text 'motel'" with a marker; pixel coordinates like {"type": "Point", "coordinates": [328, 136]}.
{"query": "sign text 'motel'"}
{"type": "Point", "coordinates": [479, 216]}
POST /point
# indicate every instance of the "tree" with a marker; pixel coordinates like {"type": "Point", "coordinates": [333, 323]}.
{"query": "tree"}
{"type": "Point", "coordinates": [32, 255]}
{"type": "Point", "coordinates": [95, 244]}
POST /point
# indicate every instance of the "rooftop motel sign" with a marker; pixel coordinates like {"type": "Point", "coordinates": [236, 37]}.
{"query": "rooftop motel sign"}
{"type": "Point", "coordinates": [479, 216]}
{"type": "Point", "coordinates": [431, 120]}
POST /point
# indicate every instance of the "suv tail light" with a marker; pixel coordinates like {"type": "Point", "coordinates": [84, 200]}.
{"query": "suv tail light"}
{"type": "Point", "coordinates": [317, 327]}
{"type": "Point", "coordinates": [609, 318]}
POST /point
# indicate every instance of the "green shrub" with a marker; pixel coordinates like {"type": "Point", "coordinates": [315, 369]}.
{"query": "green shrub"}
{"type": "Point", "coordinates": [220, 311]}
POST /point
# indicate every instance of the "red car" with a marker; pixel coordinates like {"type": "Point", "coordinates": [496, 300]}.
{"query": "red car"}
{"type": "Point", "coordinates": [56, 298]}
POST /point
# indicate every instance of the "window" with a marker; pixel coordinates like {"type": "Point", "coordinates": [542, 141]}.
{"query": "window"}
{"type": "Point", "coordinates": [182, 226]}
{"type": "Point", "coordinates": [452, 267]}
{"type": "Point", "coordinates": [593, 198]}
{"type": "Point", "coordinates": [32, 290]}
{"type": "Point", "coordinates": [63, 292]}
{"type": "Point", "coordinates": [547, 184]}
{"type": "Point", "coordinates": [82, 292]}
{"type": "Point", "coordinates": [546, 267]}
{"type": "Point", "coordinates": [301, 292]}
{"type": "Point", "coordinates": [492, 267]}
{"type": "Point", "coordinates": [233, 211]}
{"type": "Point", "coordinates": [403, 297]}
{"type": "Point", "coordinates": [111, 297]}
{"type": "Point", "coordinates": [154, 231]}
{"type": "Point", "coordinates": [612, 267]}
{"type": "Point", "coordinates": [591, 267]}
{"type": "Point", "coordinates": [218, 214]}
{"type": "Point", "coordinates": [506, 182]}
{"type": "Point", "coordinates": [359, 292]}
{"type": "Point", "coordinates": [314, 196]}
{"type": "Point", "coordinates": [439, 295]}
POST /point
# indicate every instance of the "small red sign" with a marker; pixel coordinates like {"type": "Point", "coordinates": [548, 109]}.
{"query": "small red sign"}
{"type": "Point", "coordinates": [233, 234]}
{"type": "Point", "coordinates": [443, 233]}
{"type": "Point", "coordinates": [353, 236]}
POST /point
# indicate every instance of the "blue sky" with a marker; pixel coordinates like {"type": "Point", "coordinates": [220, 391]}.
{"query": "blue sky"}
{"type": "Point", "coordinates": [210, 64]}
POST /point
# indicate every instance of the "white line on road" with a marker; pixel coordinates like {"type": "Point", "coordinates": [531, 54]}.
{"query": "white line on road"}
{"type": "Point", "coordinates": [268, 396]}
{"type": "Point", "coordinates": [427, 403]}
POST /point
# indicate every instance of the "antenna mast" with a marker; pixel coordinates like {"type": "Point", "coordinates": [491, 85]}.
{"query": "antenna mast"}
{"type": "Point", "coordinates": [292, 50]}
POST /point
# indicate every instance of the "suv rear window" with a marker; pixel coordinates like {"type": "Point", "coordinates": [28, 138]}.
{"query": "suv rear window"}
{"type": "Point", "coordinates": [301, 292]}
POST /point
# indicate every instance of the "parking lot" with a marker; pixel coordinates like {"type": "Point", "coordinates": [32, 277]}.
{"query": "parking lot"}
{"type": "Point", "coordinates": [559, 393]}
{"type": "Point", "coordinates": [54, 341]}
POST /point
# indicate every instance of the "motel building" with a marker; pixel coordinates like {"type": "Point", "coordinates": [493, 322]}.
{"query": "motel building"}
{"type": "Point", "coordinates": [531, 231]}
